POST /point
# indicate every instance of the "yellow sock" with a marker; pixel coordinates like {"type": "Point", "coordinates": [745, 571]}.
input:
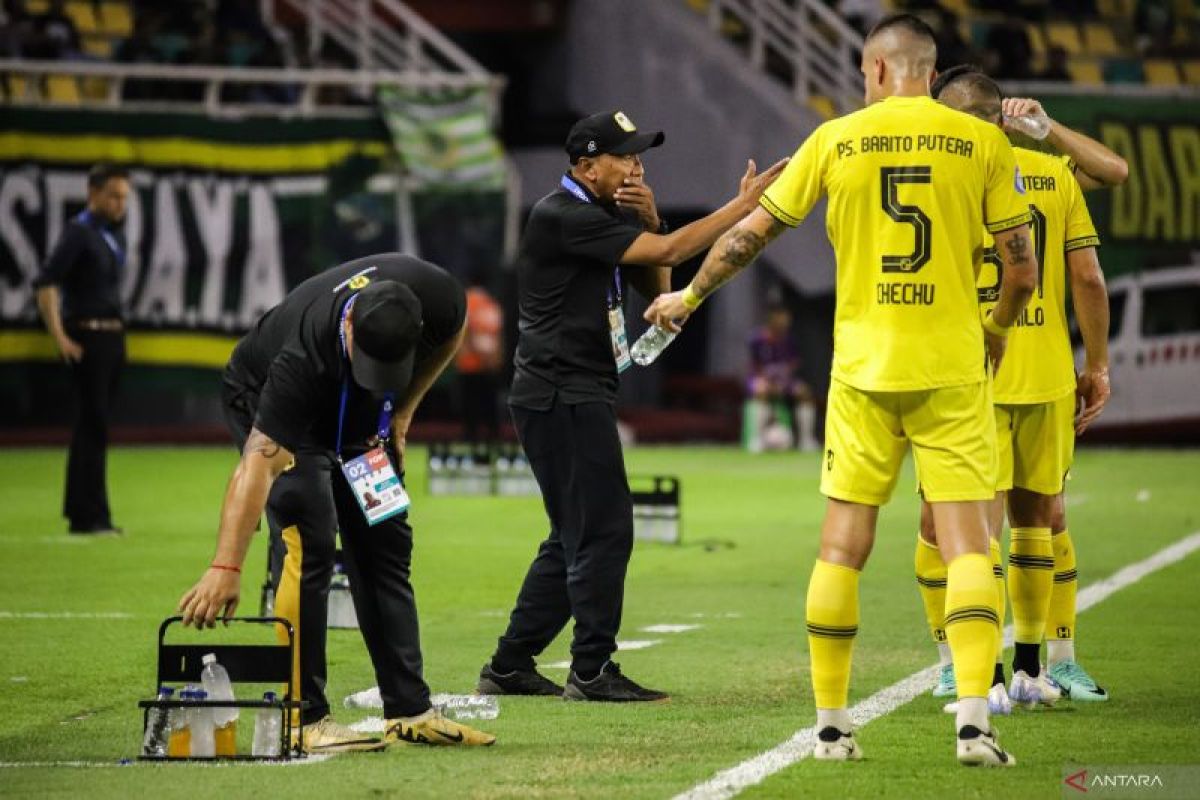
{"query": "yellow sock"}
{"type": "Point", "coordinates": [971, 622]}
{"type": "Point", "coordinates": [832, 615]}
{"type": "Point", "coordinates": [931, 581]}
{"type": "Point", "coordinates": [1001, 604]}
{"type": "Point", "coordinates": [1030, 580]}
{"type": "Point", "coordinates": [1060, 621]}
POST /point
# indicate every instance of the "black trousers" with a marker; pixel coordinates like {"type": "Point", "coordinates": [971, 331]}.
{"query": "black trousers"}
{"type": "Point", "coordinates": [306, 508]}
{"type": "Point", "coordinates": [95, 378]}
{"type": "Point", "coordinates": [579, 571]}
{"type": "Point", "coordinates": [481, 415]}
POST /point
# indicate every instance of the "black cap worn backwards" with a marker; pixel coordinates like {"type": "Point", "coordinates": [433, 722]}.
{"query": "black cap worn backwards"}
{"type": "Point", "coordinates": [610, 132]}
{"type": "Point", "coordinates": [386, 322]}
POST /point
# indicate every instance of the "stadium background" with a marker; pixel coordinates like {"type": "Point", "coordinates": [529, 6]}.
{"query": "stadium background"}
{"type": "Point", "coordinates": [382, 131]}
{"type": "Point", "coordinates": [269, 140]}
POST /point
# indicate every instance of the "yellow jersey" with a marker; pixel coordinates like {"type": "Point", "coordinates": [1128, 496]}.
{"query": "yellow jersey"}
{"type": "Point", "coordinates": [1038, 365]}
{"type": "Point", "coordinates": [912, 185]}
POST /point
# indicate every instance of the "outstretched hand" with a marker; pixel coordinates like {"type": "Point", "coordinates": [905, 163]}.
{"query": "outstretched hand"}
{"type": "Point", "coordinates": [752, 184]}
{"type": "Point", "coordinates": [216, 595]}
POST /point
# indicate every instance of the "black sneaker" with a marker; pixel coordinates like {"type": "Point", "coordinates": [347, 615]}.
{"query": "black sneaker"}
{"type": "Point", "coordinates": [610, 686]}
{"type": "Point", "coordinates": [519, 681]}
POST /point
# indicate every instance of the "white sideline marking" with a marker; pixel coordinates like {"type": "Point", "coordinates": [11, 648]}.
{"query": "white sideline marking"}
{"type": "Point", "coordinates": [637, 644]}
{"type": "Point", "coordinates": [65, 615]}
{"type": "Point", "coordinates": [556, 665]}
{"type": "Point", "coordinates": [1143, 496]}
{"type": "Point", "coordinates": [669, 628]}
{"type": "Point", "coordinates": [732, 781]}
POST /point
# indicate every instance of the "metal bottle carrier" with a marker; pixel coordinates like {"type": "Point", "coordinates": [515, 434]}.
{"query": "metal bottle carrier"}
{"type": "Point", "coordinates": [245, 663]}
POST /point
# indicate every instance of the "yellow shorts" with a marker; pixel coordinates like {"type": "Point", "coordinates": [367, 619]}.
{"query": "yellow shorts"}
{"type": "Point", "coordinates": [952, 433]}
{"type": "Point", "coordinates": [1036, 444]}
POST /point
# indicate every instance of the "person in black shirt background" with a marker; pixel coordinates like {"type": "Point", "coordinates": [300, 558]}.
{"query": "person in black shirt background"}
{"type": "Point", "coordinates": [598, 228]}
{"type": "Point", "coordinates": [319, 395]}
{"type": "Point", "coordinates": [79, 296]}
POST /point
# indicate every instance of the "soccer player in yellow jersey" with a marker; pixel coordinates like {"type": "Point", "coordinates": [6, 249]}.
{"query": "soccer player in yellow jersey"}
{"type": "Point", "coordinates": [1035, 395]}
{"type": "Point", "coordinates": [911, 187]}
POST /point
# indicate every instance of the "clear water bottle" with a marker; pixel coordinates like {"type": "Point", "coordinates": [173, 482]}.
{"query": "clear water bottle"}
{"type": "Point", "coordinates": [367, 698]}
{"type": "Point", "coordinates": [650, 345]}
{"type": "Point", "coordinates": [179, 742]}
{"type": "Point", "coordinates": [467, 706]}
{"type": "Point", "coordinates": [158, 726]}
{"type": "Point", "coordinates": [217, 686]}
{"type": "Point", "coordinates": [200, 727]}
{"type": "Point", "coordinates": [1035, 126]}
{"type": "Point", "coordinates": [341, 612]}
{"type": "Point", "coordinates": [267, 730]}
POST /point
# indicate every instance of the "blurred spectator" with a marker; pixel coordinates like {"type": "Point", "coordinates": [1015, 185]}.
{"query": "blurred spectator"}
{"type": "Point", "coordinates": [860, 14]}
{"type": "Point", "coordinates": [952, 48]}
{"type": "Point", "coordinates": [780, 410]}
{"type": "Point", "coordinates": [1056, 65]}
{"type": "Point", "coordinates": [52, 35]}
{"type": "Point", "coordinates": [479, 362]}
{"type": "Point", "coordinates": [1009, 51]}
{"type": "Point", "coordinates": [1154, 24]}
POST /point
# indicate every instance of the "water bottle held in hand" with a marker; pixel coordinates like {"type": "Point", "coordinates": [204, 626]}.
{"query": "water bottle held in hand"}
{"type": "Point", "coordinates": [266, 730]}
{"type": "Point", "coordinates": [158, 726]}
{"type": "Point", "coordinates": [1035, 126]}
{"type": "Point", "coordinates": [650, 345]}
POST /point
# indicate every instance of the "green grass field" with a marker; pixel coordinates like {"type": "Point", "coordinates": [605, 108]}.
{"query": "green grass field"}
{"type": "Point", "coordinates": [69, 685]}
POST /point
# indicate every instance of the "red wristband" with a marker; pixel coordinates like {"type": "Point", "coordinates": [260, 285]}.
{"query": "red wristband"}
{"type": "Point", "coordinates": [225, 567]}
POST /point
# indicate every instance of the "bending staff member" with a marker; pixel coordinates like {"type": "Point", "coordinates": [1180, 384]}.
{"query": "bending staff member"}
{"type": "Point", "coordinates": [320, 395]}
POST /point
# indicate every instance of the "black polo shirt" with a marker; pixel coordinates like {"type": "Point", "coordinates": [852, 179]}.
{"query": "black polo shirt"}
{"type": "Point", "coordinates": [87, 265]}
{"type": "Point", "coordinates": [566, 275]}
{"type": "Point", "coordinates": [291, 368]}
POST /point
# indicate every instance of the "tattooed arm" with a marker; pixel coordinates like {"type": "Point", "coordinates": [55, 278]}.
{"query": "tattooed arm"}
{"type": "Point", "coordinates": [263, 460]}
{"type": "Point", "coordinates": [1018, 279]}
{"type": "Point", "coordinates": [732, 253]}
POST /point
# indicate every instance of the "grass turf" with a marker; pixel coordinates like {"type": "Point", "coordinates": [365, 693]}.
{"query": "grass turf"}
{"type": "Point", "coordinates": [68, 686]}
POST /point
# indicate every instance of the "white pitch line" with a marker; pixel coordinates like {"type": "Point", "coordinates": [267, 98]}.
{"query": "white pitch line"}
{"type": "Point", "coordinates": [667, 628]}
{"type": "Point", "coordinates": [753, 771]}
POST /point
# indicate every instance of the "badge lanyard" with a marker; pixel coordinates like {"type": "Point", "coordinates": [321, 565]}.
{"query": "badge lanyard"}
{"type": "Point", "coordinates": [86, 217]}
{"type": "Point", "coordinates": [371, 476]}
{"type": "Point", "coordinates": [616, 314]}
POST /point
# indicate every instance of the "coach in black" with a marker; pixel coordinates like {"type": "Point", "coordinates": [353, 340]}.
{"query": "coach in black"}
{"type": "Point", "coordinates": [319, 396]}
{"type": "Point", "coordinates": [79, 297]}
{"type": "Point", "coordinates": [597, 228]}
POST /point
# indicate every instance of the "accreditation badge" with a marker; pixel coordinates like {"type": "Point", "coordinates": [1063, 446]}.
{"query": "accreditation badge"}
{"type": "Point", "coordinates": [376, 485]}
{"type": "Point", "coordinates": [620, 341]}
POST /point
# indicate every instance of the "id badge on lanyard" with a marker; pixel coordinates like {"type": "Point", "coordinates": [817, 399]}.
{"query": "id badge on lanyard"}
{"type": "Point", "coordinates": [616, 314]}
{"type": "Point", "coordinates": [372, 477]}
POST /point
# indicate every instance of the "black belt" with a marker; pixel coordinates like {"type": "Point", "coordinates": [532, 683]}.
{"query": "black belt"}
{"type": "Point", "coordinates": [101, 324]}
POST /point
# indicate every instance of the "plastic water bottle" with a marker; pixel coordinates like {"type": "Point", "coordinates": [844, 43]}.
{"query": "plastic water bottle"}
{"type": "Point", "coordinates": [650, 345]}
{"type": "Point", "coordinates": [467, 706]}
{"type": "Point", "coordinates": [266, 730]}
{"type": "Point", "coordinates": [1035, 126]}
{"type": "Point", "coordinates": [218, 687]}
{"type": "Point", "coordinates": [179, 743]}
{"type": "Point", "coordinates": [200, 727]}
{"type": "Point", "coordinates": [158, 726]}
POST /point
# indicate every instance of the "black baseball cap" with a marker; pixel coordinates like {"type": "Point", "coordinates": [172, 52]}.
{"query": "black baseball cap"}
{"type": "Point", "coordinates": [386, 319]}
{"type": "Point", "coordinates": [609, 132]}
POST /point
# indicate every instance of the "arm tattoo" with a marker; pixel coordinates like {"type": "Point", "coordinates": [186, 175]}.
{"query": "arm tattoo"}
{"type": "Point", "coordinates": [732, 253]}
{"type": "Point", "coordinates": [262, 444]}
{"type": "Point", "coordinates": [1018, 249]}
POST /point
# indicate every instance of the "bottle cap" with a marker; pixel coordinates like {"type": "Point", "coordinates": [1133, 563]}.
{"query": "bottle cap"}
{"type": "Point", "coordinates": [210, 658]}
{"type": "Point", "coordinates": [166, 690]}
{"type": "Point", "coordinates": [200, 694]}
{"type": "Point", "coordinates": [269, 697]}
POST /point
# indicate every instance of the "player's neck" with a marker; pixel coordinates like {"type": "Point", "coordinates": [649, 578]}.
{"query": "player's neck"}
{"type": "Point", "coordinates": [910, 88]}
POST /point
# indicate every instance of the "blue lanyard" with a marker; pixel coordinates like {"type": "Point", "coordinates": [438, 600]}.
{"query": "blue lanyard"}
{"type": "Point", "coordinates": [574, 188]}
{"type": "Point", "coordinates": [385, 411]}
{"type": "Point", "coordinates": [87, 218]}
